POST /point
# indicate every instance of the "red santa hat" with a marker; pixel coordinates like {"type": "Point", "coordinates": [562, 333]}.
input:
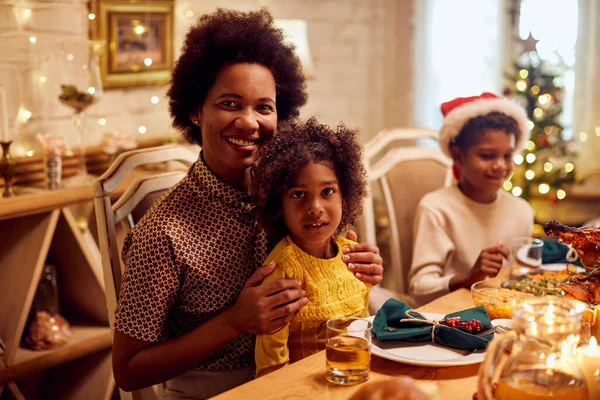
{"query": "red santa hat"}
{"type": "Point", "coordinates": [459, 111]}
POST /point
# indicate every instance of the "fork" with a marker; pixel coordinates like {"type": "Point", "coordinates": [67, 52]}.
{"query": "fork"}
{"type": "Point", "coordinates": [493, 329]}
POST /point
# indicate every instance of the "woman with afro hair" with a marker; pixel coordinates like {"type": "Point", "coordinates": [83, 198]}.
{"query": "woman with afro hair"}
{"type": "Point", "coordinates": [191, 298]}
{"type": "Point", "coordinates": [308, 186]}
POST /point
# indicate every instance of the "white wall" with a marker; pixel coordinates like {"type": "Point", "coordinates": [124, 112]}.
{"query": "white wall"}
{"type": "Point", "coordinates": [361, 51]}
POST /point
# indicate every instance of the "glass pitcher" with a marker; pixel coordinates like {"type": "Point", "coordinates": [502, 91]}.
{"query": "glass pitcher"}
{"type": "Point", "coordinates": [542, 363]}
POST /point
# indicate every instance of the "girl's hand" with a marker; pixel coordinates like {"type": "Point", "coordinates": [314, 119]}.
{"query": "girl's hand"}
{"type": "Point", "coordinates": [364, 260]}
{"type": "Point", "coordinates": [262, 309]}
{"type": "Point", "coordinates": [488, 263]}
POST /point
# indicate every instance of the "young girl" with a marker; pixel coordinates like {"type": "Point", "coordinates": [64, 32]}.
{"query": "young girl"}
{"type": "Point", "coordinates": [308, 185]}
{"type": "Point", "coordinates": [460, 231]}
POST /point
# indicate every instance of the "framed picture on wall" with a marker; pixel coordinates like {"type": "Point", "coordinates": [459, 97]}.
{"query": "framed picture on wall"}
{"type": "Point", "coordinates": [139, 38]}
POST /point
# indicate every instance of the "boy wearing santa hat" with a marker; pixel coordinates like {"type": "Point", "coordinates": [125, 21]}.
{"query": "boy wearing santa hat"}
{"type": "Point", "coordinates": [460, 231]}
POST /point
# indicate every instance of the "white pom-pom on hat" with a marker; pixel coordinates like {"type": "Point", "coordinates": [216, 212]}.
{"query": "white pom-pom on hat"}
{"type": "Point", "coordinates": [459, 111]}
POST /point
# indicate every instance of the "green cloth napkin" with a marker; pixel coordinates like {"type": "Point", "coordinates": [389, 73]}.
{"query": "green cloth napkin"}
{"type": "Point", "coordinates": [555, 252]}
{"type": "Point", "coordinates": [390, 314]}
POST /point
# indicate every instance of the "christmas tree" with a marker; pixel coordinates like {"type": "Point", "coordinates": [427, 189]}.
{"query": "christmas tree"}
{"type": "Point", "coordinates": [547, 163]}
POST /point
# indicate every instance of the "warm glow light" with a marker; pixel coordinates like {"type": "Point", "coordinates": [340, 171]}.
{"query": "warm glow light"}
{"type": "Point", "coordinates": [521, 86]}
{"type": "Point", "coordinates": [530, 125]}
{"type": "Point", "coordinates": [102, 121]}
{"type": "Point", "coordinates": [295, 32]}
{"type": "Point", "coordinates": [529, 174]}
{"type": "Point", "coordinates": [154, 99]}
{"type": "Point", "coordinates": [548, 166]}
{"type": "Point", "coordinates": [598, 131]}
{"type": "Point", "coordinates": [139, 29]}
{"type": "Point", "coordinates": [593, 342]}
{"type": "Point", "coordinates": [189, 13]}
{"type": "Point", "coordinates": [32, 39]}
{"type": "Point", "coordinates": [70, 57]}
{"type": "Point", "coordinates": [517, 191]}
{"type": "Point", "coordinates": [142, 130]}
{"type": "Point", "coordinates": [518, 159]}
{"type": "Point", "coordinates": [583, 136]}
{"type": "Point", "coordinates": [91, 90]}
{"type": "Point", "coordinates": [560, 194]}
{"type": "Point", "coordinates": [530, 158]}
{"type": "Point", "coordinates": [91, 16]}
{"type": "Point", "coordinates": [148, 61]}
{"type": "Point", "coordinates": [569, 167]}
{"type": "Point", "coordinates": [523, 73]}
{"type": "Point", "coordinates": [544, 188]}
{"type": "Point", "coordinates": [23, 115]}
{"type": "Point", "coordinates": [535, 90]}
{"type": "Point", "coordinates": [538, 113]}
{"type": "Point", "coordinates": [29, 153]}
{"type": "Point", "coordinates": [43, 79]}
{"type": "Point", "coordinates": [529, 145]}
{"type": "Point", "coordinates": [543, 100]}
{"type": "Point", "coordinates": [507, 185]}
{"type": "Point", "coordinates": [547, 130]}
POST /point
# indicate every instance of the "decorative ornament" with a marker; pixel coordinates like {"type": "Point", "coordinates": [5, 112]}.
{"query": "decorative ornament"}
{"type": "Point", "coordinates": [528, 44]}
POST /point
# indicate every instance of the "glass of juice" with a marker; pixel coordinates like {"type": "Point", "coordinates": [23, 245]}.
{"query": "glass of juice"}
{"type": "Point", "coordinates": [348, 350]}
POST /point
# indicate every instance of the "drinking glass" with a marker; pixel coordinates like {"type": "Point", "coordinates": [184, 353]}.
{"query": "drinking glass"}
{"type": "Point", "coordinates": [525, 256]}
{"type": "Point", "coordinates": [348, 350]}
{"type": "Point", "coordinates": [81, 88]}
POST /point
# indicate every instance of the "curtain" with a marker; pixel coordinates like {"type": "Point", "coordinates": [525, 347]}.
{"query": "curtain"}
{"type": "Point", "coordinates": [459, 51]}
{"type": "Point", "coordinates": [586, 115]}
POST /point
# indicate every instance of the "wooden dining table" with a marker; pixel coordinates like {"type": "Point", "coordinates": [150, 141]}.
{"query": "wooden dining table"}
{"type": "Point", "coordinates": [305, 379]}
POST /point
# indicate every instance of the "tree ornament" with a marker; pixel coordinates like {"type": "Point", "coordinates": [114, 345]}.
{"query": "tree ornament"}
{"type": "Point", "coordinates": [529, 44]}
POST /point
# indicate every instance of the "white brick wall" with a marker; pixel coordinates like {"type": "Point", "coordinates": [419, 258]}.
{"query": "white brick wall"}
{"type": "Point", "coordinates": [355, 62]}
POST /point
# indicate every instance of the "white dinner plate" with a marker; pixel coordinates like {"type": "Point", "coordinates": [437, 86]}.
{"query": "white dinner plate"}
{"type": "Point", "coordinates": [561, 266]}
{"type": "Point", "coordinates": [523, 257]}
{"type": "Point", "coordinates": [424, 354]}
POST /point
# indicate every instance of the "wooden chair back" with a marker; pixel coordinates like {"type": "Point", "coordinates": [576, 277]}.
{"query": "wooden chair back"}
{"type": "Point", "coordinates": [127, 211]}
{"type": "Point", "coordinates": [402, 165]}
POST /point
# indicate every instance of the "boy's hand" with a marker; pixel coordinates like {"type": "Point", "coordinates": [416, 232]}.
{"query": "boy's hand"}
{"type": "Point", "coordinates": [488, 263]}
{"type": "Point", "coordinates": [262, 309]}
{"type": "Point", "coordinates": [364, 260]}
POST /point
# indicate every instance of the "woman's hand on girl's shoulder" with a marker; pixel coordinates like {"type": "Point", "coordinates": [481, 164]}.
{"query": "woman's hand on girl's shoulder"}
{"type": "Point", "coordinates": [261, 309]}
{"type": "Point", "coordinates": [363, 260]}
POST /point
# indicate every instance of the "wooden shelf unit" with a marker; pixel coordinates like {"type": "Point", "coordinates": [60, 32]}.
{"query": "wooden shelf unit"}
{"type": "Point", "coordinates": [50, 227]}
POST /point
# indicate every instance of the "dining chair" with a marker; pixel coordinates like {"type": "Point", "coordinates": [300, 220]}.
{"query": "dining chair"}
{"type": "Point", "coordinates": [115, 220]}
{"type": "Point", "coordinates": [402, 166]}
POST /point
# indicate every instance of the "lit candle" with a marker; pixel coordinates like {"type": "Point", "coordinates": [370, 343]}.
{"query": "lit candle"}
{"type": "Point", "coordinates": [588, 358]}
{"type": "Point", "coordinates": [4, 127]}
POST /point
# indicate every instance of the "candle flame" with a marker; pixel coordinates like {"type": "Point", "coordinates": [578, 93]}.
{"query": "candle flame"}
{"type": "Point", "coordinates": [593, 342]}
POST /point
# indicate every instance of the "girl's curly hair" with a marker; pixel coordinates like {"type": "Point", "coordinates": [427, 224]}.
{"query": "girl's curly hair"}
{"type": "Point", "coordinates": [295, 145]}
{"type": "Point", "coordinates": [225, 37]}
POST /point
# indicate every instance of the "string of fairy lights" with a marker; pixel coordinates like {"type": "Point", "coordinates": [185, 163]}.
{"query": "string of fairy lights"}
{"type": "Point", "coordinates": [547, 163]}
{"type": "Point", "coordinates": [24, 12]}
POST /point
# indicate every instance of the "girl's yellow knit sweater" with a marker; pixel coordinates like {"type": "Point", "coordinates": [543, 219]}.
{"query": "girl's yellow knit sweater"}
{"type": "Point", "coordinates": [332, 291]}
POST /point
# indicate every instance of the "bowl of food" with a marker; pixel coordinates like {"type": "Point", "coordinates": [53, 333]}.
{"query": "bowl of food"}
{"type": "Point", "coordinates": [497, 300]}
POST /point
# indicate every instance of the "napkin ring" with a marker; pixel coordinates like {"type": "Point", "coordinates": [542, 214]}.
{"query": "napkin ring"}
{"type": "Point", "coordinates": [424, 320]}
